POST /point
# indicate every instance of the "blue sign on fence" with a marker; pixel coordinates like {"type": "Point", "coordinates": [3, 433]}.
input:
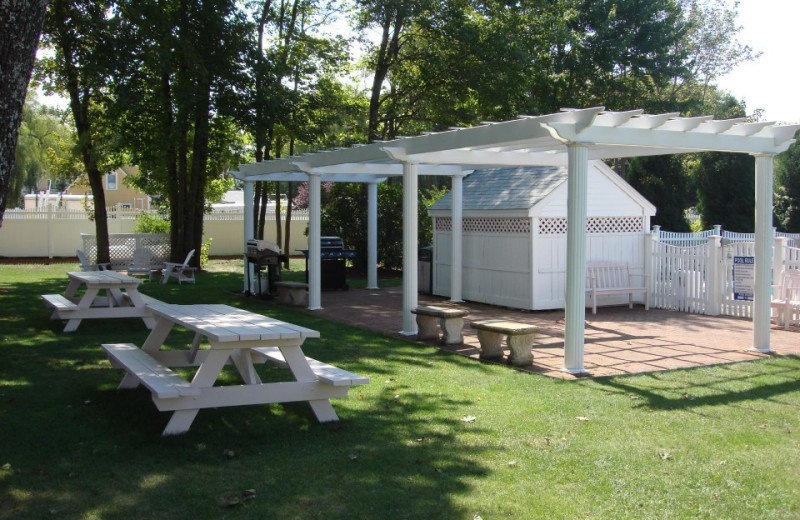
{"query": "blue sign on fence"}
{"type": "Point", "coordinates": [743, 277]}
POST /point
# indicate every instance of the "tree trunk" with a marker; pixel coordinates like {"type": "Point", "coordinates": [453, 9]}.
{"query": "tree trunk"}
{"type": "Point", "coordinates": [197, 181]}
{"type": "Point", "coordinates": [20, 26]}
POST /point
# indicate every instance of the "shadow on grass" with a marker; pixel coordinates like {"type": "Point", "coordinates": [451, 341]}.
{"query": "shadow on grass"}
{"type": "Point", "coordinates": [728, 384]}
{"type": "Point", "coordinates": [75, 447]}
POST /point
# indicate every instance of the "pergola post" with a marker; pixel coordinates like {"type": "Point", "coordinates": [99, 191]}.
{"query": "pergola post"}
{"type": "Point", "coordinates": [314, 250]}
{"type": "Point", "coordinates": [410, 286]}
{"type": "Point", "coordinates": [763, 252]}
{"type": "Point", "coordinates": [249, 232]}
{"type": "Point", "coordinates": [456, 235]}
{"type": "Point", "coordinates": [372, 235]}
{"type": "Point", "coordinates": [575, 309]}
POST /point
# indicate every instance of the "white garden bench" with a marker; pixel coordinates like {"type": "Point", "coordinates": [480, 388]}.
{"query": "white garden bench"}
{"type": "Point", "coordinates": [603, 278]}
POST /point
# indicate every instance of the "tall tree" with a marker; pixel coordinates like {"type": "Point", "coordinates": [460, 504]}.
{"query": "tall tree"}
{"type": "Point", "coordinates": [726, 190]}
{"type": "Point", "coordinates": [662, 180]}
{"type": "Point", "coordinates": [185, 61]}
{"type": "Point", "coordinates": [787, 204]}
{"type": "Point", "coordinates": [20, 26]}
{"type": "Point", "coordinates": [81, 35]}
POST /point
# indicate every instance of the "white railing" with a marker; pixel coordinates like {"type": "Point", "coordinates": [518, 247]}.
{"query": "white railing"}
{"type": "Point", "coordinates": [699, 279]}
{"type": "Point", "coordinates": [51, 213]}
{"type": "Point", "coordinates": [678, 239]}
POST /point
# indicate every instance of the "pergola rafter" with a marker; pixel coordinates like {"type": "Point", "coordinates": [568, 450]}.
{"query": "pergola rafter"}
{"type": "Point", "coordinates": [569, 138]}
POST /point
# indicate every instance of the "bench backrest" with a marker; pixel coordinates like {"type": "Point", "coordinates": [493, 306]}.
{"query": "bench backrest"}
{"type": "Point", "coordinates": [607, 275]}
{"type": "Point", "coordinates": [789, 288]}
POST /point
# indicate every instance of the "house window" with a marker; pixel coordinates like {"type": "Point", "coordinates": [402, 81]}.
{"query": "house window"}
{"type": "Point", "coordinates": [125, 206]}
{"type": "Point", "coordinates": [111, 181]}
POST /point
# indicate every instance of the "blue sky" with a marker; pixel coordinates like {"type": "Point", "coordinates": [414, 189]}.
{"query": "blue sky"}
{"type": "Point", "coordinates": [771, 82]}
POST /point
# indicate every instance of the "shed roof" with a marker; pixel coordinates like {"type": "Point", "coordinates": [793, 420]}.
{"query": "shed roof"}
{"type": "Point", "coordinates": [506, 188]}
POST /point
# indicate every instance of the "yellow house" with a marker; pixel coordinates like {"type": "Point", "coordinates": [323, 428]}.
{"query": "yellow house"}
{"type": "Point", "coordinates": [119, 194]}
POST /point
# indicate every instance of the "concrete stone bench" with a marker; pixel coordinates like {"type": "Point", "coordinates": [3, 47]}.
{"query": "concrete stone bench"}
{"type": "Point", "coordinates": [292, 293]}
{"type": "Point", "coordinates": [519, 337]}
{"type": "Point", "coordinates": [450, 319]}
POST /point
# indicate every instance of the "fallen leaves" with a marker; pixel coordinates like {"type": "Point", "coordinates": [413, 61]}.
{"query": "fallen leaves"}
{"type": "Point", "coordinates": [582, 418]}
{"type": "Point", "coordinates": [234, 498]}
{"type": "Point", "coordinates": [469, 419]}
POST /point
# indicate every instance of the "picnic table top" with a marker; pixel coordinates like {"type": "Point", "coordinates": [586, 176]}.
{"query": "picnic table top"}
{"type": "Point", "coordinates": [103, 277]}
{"type": "Point", "coordinates": [223, 323]}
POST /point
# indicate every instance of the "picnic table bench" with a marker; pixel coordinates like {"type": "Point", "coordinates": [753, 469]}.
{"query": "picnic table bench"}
{"type": "Point", "coordinates": [450, 319]}
{"type": "Point", "coordinates": [235, 337]}
{"type": "Point", "coordinates": [612, 278]}
{"type": "Point", "coordinates": [519, 338]}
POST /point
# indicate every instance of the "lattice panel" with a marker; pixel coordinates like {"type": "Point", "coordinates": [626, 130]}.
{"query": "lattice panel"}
{"type": "Point", "coordinates": [553, 226]}
{"type": "Point", "coordinates": [122, 245]}
{"type": "Point", "coordinates": [594, 225]}
{"type": "Point", "coordinates": [487, 225]}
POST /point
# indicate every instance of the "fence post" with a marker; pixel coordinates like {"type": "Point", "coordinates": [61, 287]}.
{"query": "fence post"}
{"type": "Point", "coordinates": [656, 230]}
{"type": "Point", "coordinates": [778, 256]}
{"type": "Point", "coordinates": [718, 229]}
{"type": "Point", "coordinates": [715, 274]}
{"type": "Point", "coordinates": [649, 238]}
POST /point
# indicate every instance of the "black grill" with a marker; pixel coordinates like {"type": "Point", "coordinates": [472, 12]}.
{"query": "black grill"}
{"type": "Point", "coordinates": [334, 263]}
{"type": "Point", "coordinates": [263, 254]}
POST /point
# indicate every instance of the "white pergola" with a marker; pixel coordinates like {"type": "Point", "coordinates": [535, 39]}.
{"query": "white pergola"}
{"type": "Point", "coordinates": [568, 138]}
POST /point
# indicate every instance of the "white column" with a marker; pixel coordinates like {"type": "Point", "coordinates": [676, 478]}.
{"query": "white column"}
{"type": "Point", "coordinates": [575, 310]}
{"type": "Point", "coordinates": [314, 250]}
{"type": "Point", "coordinates": [456, 234]}
{"type": "Point", "coordinates": [763, 252]}
{"type": "Point", "coordinates": [372, 235]}
{"type": "Point", "coordinates": [249, 232]}
{"type": "Point", "coordinates": [409, 248]}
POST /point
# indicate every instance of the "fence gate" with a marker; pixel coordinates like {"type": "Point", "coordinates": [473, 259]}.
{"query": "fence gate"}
{"type": "Point", "coordinates": [680, 277]}
{"type": "Point", "coordinates": [731, 307]}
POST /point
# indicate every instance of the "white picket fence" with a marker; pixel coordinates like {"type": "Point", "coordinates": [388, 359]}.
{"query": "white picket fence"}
{"type": "Point", "coordinates": [698, 277]}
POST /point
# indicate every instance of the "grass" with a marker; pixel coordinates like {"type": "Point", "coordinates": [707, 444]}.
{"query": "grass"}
{"type": "Point", "coordinates": [434, 435]}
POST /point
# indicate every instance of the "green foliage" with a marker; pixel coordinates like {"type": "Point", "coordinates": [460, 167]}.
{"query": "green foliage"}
{"type": "Point", "coordinates": [346, 216]}
{"type": "Point", "coordinates": [787, 180]}
{"type": "Point", "coordinates": [662, 181]}
{"type": "Point", "coordinates": [204, 249]}
{"type": "Point", "coordinates": [151, 222]}
{"type": "Point", "coordinates": [44, 150]}
{"type": "Point", "coordinates": [726, 190]}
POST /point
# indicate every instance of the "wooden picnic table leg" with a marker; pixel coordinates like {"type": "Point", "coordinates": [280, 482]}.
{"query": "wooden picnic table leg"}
{"type": "Point", "coordinates": [244, 364]}
{"type": "Point", "coordinates": [84, 304]}
{"type": "Point", "coordinates": [205, 377]}
{"type": "Point", "coordinates": [151, 345]}
{"type": "Point", "coordinates": [72, 288]}
{"type": "Point", "coordinates": [137, 301]}
{"type": "Point", "coordinates": [322, 408]}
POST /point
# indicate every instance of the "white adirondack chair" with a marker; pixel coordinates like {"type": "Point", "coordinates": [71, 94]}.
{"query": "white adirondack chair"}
{"type": "Point", "coordinates": [786, 298]}
{"type": "Point", "coordinates": [182, 272]}
{"type": "Point", "coordinates": [86, 266]}
{"type": "Point", "coordinates": [141, 263]}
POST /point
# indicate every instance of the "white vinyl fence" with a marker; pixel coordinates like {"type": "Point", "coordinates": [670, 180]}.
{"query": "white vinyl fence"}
{"type": "Point", "coordinates": [54, 232]}
{"type": "Point", "coordinates": [696, 275]}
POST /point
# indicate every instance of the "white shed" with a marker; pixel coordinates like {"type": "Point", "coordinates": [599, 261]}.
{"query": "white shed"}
{"type": "Point", "coordinates": [515, 233]}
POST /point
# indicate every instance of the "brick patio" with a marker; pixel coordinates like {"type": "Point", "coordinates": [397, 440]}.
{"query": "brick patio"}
{"type": "Point", "coordinates": [618, 340]}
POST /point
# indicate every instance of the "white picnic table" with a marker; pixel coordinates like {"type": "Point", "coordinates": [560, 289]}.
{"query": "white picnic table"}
{"type": "Point", "coordinates": [122, 299]}
{"type": "Point", "coordinates": [234, 336]}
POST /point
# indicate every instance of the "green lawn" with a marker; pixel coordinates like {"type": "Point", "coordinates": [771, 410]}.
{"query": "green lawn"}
{"type": "Point", "coordinates": [433, 436]}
